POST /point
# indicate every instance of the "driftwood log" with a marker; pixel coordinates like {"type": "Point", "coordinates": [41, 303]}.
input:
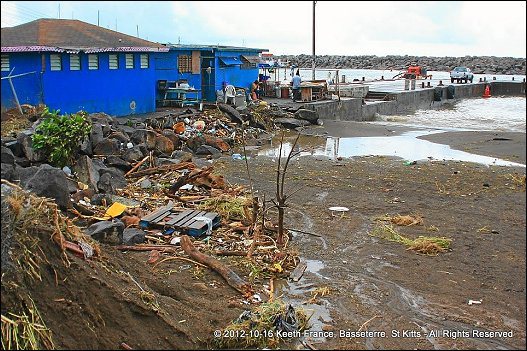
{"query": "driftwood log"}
{"type": "Point", "coordinates": [230, 277]}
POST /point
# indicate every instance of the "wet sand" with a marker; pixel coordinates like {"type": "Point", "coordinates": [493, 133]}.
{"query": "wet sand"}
{"type": "Point", "coordinates": [505, 145]}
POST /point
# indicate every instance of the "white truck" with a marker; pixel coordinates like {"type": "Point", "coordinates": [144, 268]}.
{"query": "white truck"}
{"type": "Point", "coordinates": [460, 74]}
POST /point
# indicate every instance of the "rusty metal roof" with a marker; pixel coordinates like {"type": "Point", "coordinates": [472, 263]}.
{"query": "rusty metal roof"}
{"type": "Point", "coordinates": [62, 33]}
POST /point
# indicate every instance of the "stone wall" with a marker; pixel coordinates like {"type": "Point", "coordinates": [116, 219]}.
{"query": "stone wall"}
{"type": "Point", "coordinates": [479, 64]}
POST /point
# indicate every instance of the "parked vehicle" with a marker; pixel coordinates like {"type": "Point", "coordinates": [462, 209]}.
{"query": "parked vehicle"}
{"type": "Point", "coordinates": [460, 74]}
{"type": "Point", "coordinates": [413, 72]}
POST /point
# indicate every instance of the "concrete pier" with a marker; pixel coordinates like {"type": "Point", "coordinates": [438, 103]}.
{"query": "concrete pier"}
{"type": "Point", "coordinates": [407, 101]}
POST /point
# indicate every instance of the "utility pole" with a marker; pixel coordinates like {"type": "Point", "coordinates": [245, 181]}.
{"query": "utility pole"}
{"type": "Point", "coordinates": [97, 18]}
{"type": "Point", "coordinates": [313, 59]}
{"type": "Point", "coordinates": [59, 10]}
{"type": "Point", "coordinates": [137, 30]}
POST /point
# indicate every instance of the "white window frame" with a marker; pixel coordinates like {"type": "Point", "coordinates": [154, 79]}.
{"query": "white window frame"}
{"type": "Point", "coordinates": [6, 67]}
{"type": "Point", "coordinates": [93, 61]}
{"type": "Point", "coordinates": [113, 61]}
{"type": "Point", "coordinates": [129, 58]}
{"type": "Point", "coordinates": [55, 62]}
{"type": "Point", "coordinates": [144, 60]}
{"type": "Point", "coordinates": [75, 62]}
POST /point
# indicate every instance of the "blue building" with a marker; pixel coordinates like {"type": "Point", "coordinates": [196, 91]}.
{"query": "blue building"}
{"type": "Point", "coordinates": [72, 65]}
{"type": "Point", "coordinates": [209, 67]}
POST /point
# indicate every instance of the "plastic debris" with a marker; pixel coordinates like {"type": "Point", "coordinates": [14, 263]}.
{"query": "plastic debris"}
{"type": "Point", "coordinates": [199, 125]}
{"type": "Point", "coordinates": [339, 209]}
{"type": "Point", "coordinates": [115, 210]}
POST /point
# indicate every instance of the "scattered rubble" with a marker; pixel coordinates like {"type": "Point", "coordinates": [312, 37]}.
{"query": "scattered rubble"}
{"type": "Point", "coordinates": [128, 170]}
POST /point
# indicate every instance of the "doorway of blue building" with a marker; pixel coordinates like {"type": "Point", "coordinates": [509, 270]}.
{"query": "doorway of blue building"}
{"type": "Point", "coordinates": [208, 80]}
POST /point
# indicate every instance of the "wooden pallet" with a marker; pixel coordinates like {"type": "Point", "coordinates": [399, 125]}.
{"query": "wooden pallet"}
{"type": "Point", "coordinates": [185, 221]}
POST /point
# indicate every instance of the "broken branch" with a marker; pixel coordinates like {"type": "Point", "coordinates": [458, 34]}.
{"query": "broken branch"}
{"type": "Point", "coordinates": [230, 277]}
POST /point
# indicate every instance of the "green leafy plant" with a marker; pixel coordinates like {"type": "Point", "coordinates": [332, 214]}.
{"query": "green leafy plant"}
{"type": "Point", "coordinates": [59, 136]}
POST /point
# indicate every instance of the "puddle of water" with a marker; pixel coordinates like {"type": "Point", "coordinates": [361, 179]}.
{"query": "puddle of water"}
{"type": "Point", "coordinates": [314, 266]}
{"type": "Point", "coordinates": [299, 293]}
{"type": "Point", "coordinates": [406, 146]}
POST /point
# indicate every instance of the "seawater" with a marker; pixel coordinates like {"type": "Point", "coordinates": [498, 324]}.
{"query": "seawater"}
{"type": "Point", "coordinates": [493, 114]}
{"type": "Point", "coordinates": [507, 114]}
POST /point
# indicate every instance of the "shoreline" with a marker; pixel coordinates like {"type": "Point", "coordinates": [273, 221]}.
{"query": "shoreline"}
{"type": "Point", "coordinates": [508, 146]}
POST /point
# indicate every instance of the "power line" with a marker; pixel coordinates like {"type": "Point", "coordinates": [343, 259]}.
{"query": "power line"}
{"type": "Point", "coordinates": [19, 17]}
{"type": "Point", "coordinates": [37, 13]}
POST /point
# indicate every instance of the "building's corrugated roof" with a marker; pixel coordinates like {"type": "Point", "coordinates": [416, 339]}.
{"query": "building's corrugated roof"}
{"type": "Point", "coordinates": [69, 33]}
{"type": "Point", "coordinates": [69, 50]}
{"type": "Point", "coordinates": [213, 47]}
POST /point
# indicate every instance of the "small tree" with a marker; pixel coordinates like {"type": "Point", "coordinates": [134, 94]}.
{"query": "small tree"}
{"type": "Point", "coordinates": [281, 197]}
{"type": "Point", "coordinates": [59, 136]}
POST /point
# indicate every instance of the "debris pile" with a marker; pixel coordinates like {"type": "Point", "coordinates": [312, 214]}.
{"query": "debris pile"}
{"type": "Point", "coordinates": [135, 186]}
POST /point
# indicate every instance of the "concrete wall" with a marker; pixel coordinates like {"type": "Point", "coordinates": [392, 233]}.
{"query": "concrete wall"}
{"type": "Point", "coordinates": [343, 110]}
{"type": "Point", "coordinates": [408, 101]}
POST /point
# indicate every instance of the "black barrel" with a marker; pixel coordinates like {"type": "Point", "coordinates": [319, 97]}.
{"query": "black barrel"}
{"type": "Point", "coordinates": [450, 92]}
{"type": "Point", "coordinates": [438, 93]}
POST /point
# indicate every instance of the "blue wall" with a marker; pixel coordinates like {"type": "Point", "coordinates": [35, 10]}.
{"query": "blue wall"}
{"type": "Point", "coordinates": [101, 90]}
{"type": "Point", "coordinates": [235, 75]}
{"type": "Point", "coordinates": [29, 87]}
{"type": "Point", "coordinates": [166, 68]}
{"type": "Point", "coordinates": [112, 91]}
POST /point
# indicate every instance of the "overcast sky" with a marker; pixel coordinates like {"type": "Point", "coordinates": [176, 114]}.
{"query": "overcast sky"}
{"type": "Point", "coordinates": [422, 28]}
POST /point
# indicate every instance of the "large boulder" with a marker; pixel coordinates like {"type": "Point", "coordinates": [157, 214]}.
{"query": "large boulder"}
{"type": "Point", "coordinates": [291, 123]}
{"type": "Point", "coordinates": [110, 232]}
{"type": "Point", "coordinates": [8, 171]}
{"type": "Point", "coordinates": [231, 112]}
{"type": "Point", "coordinates": [117, 162]}
{"type": "Point", "coordinates": [87, 173]}
{"type": "Point", "coordinates": [15, 147]}
{"type": "Point", "coordinates": [133, 154]}
{"type": "Point", "coordinates": [146, 136]}
{"type": "Point", "coordinates": [96, 134]}
{"type": "Point", "coordinates": [307, 115]}
{"type": "Point", "coordinates": [7, 156]}
{"type": "Point", "coordinates": [26, 141]}
{"type": "Point", "coordinates": [207, 150]}
{"type": "Point", "coordinates": [169, 133]}
{"type": "Point", "coordinates": [164, 145]}
{"type": "Point", "coordinates": [125, 129]}
{"type": "Point", "coordinates": [132, 236]}
{"type": "Point", "coordinates": [181, 156]}
{"type": "Point", "coordinates": [46, 181]}
{"type": "Point", "coordinates": [123, 138]}
{"type": "Point", "coordinates": [110, 182]}
{"type": "Point", "coordinates": [107, 147]}
{"type": "Point", "coordinates": [195, 142]}
{"type": "Point", "coordinates": [86, 147]}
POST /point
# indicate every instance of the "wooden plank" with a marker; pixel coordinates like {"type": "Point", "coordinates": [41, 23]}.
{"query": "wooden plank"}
{"type": "Point", "coordinates": [190, 219]}
{"type": "Point", "coordinates": [196, 62]}
{"type": "Point", "coordinates": [180, 217]}
{"type": "Point", "coordinates": [160, 217]}
{"type": "Point", "coordinates": [306, 93]}
{"type": "Point", "coordinates": [158, 212]}
{"type": "Point", "coordinates": [297, 273]}
{"type": "Point", "coordinates": [199, 224]}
